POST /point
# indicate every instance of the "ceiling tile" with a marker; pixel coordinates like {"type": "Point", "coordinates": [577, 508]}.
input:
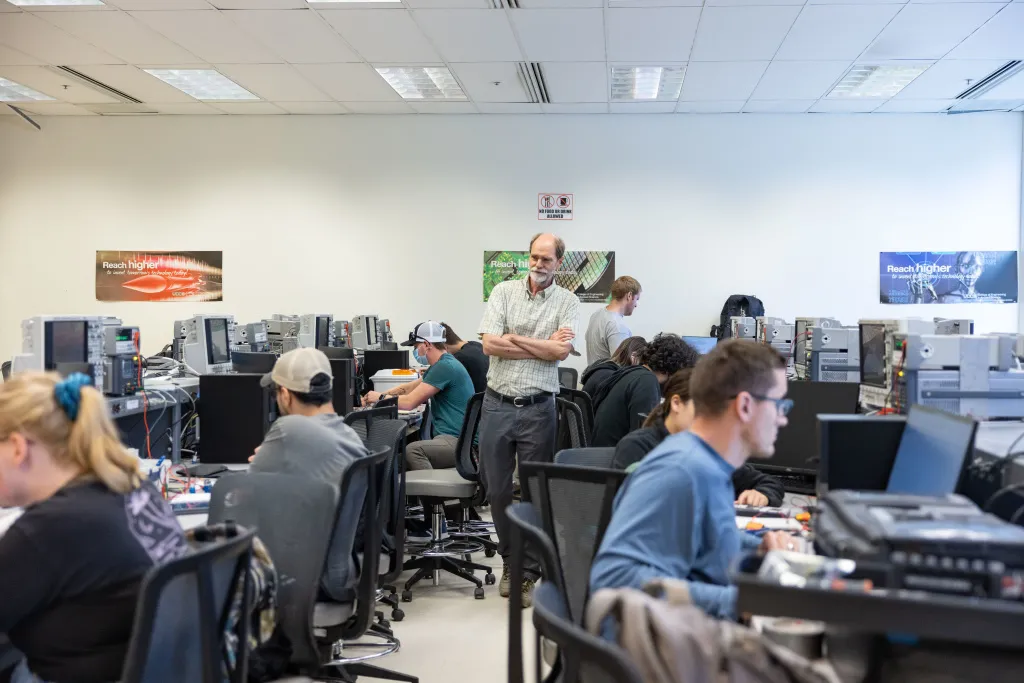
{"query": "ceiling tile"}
{"type": "Point", "coordinates": [744, 3]}
{"type": "Point", "coordinates": [721, 81]}
{"type": "Point", "coordinates": [299, 37]}
{"type": "Point", "coordinates": [349, 82]}
{"type": "Point", "coordinates": [383, 35]}
{"type": "Point", "coordinates": [29, 34]}
{"type": "Point", "coordinates": [558, 108]}
{"type": "Point", "coordinates": [478, 82]}
{"type": "Point", "coordinates": [1001, 38]}
{"type": "Point", "coordinates": [7, 7]}
{"type": "Point", "coordinates": [209, 35]}
{"type": "Point", "coordinates": [273, 82]}
{"type": "Point", "coordinates": [848, 106]}
{"type": "Point", "coordinates": [449, 4]}
{"type": "Point", "coordinates": [50, 83]}
{"type": "Point", "coordinates": [312, 107]}
{"type": "Point", "coordinates": [576, 82]}
{"type": "Point", "coordinates": [835, 31]}
{"type": "Point", "coordinates": [159, 4]}
{"type": "Point", "coordinates": [777, 106]}
{"type": "Point", "coordinates": [259, 4]}
{"type": "Point", "coordinates": [134, 82]}
{"type": "Point", "coordinates": [187, 109]}
{"type": "Point", "coordinates": [508, 108]}
{"type": "Point", "coordinates": [443, 107]}
{"type": "Point", "coordinates": [556, 35]}
{"type": "Point", "coordinates": [914, 106]}
{"type": "Point", "coordinates": [378, 107]}
{"type": "Point", "coordinates": [799, 80]}
{"type": "Point", "coordinates": [559, 4]}
{"type": "Point", "coordinates": [948, 78]}
{"type": "Point", "coordinates": [122, 36]}
{"type": "Point", "coordinates": [642, 107]}
{"type": "Point", "coordinates": [54, 109]}
{"type": "Point", "coordinates": [741, 33]}
{"type": "Point", "coordinates": [715, 107]}
{"type": "Point", "coordinates": [470, 35]}
{"type": "Point", "coordinates": [249, 108]}
{"type": "Point", "coordinates": [663, 34]}
{"type": "Point", "coordinates": [667, 3]}
{"type": "Point", "coordinates": [862, 2]}
{"type": "Point", "coordinates": [14, 58]}
{"type": "Point", "coordinates": [929, 31]}
{"type": "Point", "coordinates": [1011, 89]}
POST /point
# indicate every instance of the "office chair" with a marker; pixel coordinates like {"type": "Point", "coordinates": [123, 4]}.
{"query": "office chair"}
{"type": "Point", "coordinates": [575, 505]}
{"type": "Point", "coordinates": [594, 456]}
{"type": "Point", "coordinates": [568, 377]}
{"type": "Point", "coordinates": [571, 431]}
{"type": "Point", "coordinates": [467, 463]}
{"type": "Point", "coordinates": [183, 604]}
{"type": "Point", "coordinates": [586, 404]}
{"type": "Point", "coordinates": [5, 370]}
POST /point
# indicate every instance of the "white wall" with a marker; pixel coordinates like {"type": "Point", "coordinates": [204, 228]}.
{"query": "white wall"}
{"type": "Point", "coordinates": [391, 214]}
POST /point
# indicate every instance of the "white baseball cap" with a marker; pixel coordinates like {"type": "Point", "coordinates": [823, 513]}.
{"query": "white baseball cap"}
{"type": "Point", "coordinates": [430, 331]}
{"type": "Point", "coordinates": [304, 371]}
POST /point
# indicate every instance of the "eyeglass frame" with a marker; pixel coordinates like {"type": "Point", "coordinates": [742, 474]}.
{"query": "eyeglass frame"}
{"type": "Point", "coordinates": [782, 405]}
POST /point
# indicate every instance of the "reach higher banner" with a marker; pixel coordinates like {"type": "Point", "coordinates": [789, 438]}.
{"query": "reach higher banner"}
{"type": "Point", "coordinates": [947, 277]}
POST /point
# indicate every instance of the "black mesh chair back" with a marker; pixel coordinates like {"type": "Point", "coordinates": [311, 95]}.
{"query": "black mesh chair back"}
{"type": "Point", "coordinates": [294, 517]}
{"type": "Point", "coordinates": [585, 658]}
{"type": "Point", "coordinates": [389, 435]}
{"type": "Point", "coordinates": [467, 455]}
{"type": "Point", "coordinates": [575, 505]}
{"type": "Point", "coordinates": [427, 423]}
{"type": "Point", "coordinates": [582, 399]}
{"type": "Point", "coordinates": [5, 369]}
{"type": "Point", "coordinates": [568, 377]}
{"type": "Point", "coordinates": [375, 471]}
{"type": "Point", "coordinates": [178, 633]}
{"type": "Point", "coordinates": [360, 420]}
{"type": "Point", "coordinates": [595, 456]}
{"type": "Point", "coordinates": [571, 427]}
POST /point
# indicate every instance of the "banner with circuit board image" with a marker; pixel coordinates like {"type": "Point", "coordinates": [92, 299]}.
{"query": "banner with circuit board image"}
{"type": "Point", "coordinates": [947, 277]}
{"type": "Point", "coordinates": [159, 276]}
{"type": "Point", "coordinates": [587, 274]}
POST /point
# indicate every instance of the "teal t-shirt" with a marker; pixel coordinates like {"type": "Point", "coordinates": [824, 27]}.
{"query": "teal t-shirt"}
{"type": "Point", "coordinates": [454, 389]}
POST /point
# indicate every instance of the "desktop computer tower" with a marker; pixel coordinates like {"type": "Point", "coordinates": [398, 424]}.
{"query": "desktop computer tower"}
{"type": "Point", "coordinates": [374, 361]}
{"type": "Point", "coordinates": [344, 381]}
{"type": "Point", "coordinates": [235, 413]}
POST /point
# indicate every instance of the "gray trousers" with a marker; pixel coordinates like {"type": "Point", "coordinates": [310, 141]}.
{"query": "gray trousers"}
{"type": "Point", "coordinates": [433, 454]}
{"type": "Point", "coordinates": [505, 433]}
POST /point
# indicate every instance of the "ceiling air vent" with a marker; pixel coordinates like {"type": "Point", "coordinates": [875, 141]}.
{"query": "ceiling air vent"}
{"type": "Point", "coordinates": [91, 82]}
{"type": "Point", "coordinates": [505, 4]}
{"type": "Point", "coordinates": [997, 77]}
{"type": "Point", "coordinates": [120, 109]}
{"type": "Point", "coordinates": [532, 77]}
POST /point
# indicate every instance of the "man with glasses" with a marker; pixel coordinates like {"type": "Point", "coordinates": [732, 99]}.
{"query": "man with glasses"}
{"type": "Point", "coordinates": [674, 516]}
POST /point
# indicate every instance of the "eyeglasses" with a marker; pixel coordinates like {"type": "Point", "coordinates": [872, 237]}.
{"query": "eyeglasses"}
{"type": "Point", "coordinates": [782, 405]}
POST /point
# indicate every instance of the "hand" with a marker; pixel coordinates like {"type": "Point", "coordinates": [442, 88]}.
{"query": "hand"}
{"type": "Point", "coordinates": [779, 540]}
{"type": "Point", "coordinates": [562, 334]}
{"type": "Point", "coordinates": [372, 396]}
{"type": "Point", "coordinates": [752, 497]}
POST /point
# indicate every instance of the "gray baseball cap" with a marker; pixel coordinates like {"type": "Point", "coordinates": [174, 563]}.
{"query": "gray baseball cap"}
{"type": "Point", "coordinates": [304, 371]}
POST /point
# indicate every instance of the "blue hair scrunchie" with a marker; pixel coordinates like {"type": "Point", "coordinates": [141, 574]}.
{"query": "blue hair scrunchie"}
{"type": "Point", "coordinates": [68, 393]}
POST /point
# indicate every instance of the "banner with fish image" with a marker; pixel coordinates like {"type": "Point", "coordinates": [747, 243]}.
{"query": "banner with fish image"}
{"type": "Point", "coordinates": [159, 276]}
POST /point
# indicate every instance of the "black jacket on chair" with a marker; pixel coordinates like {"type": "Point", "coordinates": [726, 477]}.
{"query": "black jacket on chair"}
{"type": "Point", "coordinates": [620, 400]}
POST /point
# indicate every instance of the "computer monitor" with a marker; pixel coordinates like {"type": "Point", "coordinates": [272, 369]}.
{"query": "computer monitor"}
{"type": "Point", "coordinates": [218, 348]}
{"type": "Point", "coordinates": [207, 347]}
{"type": "Point", "coordinates": [872, 354]}
{"type": "Point", "coordinates": [701, 345]}
{"type": "Point", "coordinates": [932, 456]}
{"type": "Point", "coordinates": [339, 353]}
{"type": "Point", "coordinates": [253, 361]}
{"type": "Point", "coordinates": [67, 341]}
{"type": "Point", "coordinates": [323, 332]}
{"type": "Point", "coordinates": [376, 360]}
{"type": "Point", "coordinates": [801, 331]}
{"type": "Point", "coordinates": [797, 445]}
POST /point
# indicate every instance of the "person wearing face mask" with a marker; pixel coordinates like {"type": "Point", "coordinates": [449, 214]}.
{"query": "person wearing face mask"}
{"type": "Point", "coordinates": [446, 385]}
{"type": "Point", "coordinates": [674, 516]}
{"type": "Point", "coordinates": [72, 564]}
{"type": "Point", "coordinates": [674, 415]}
{"type": "Point", "coordinates": [311, 440]}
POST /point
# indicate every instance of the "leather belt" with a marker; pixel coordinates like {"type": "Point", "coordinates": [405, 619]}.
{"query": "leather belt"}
{"type": "Point", "coordinates": [520, 401]}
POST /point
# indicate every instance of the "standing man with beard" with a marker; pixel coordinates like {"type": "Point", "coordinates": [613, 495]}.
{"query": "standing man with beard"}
{"type": "Point", "coordinates": [527, 329]}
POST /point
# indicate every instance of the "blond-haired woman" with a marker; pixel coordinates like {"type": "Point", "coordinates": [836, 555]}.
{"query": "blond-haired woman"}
{"type": "Point", "coordinates": [72, 564]}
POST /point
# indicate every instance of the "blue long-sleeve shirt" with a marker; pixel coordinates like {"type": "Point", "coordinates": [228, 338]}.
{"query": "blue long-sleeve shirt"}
{"type": "Point", "coordinates": [674, 517]}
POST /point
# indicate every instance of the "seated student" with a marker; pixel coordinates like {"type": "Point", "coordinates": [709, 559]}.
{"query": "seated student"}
{"type": "Point", "coordinates": [72, 564]}
{"type": "Point", "coordinates": [311, 440]}
{"type": "Point", "coordinates": [636, 389]}
{"type": "Point", "coordinates": [674, 515]}
{"type": "Point", "coordinates": [674, 415]}
{"type": "Point", "coordinates": [627, 354]}
{"type": "Point", "coordinates": [471, 355]}
{"type": "Point", "coordinates": [448, 388]}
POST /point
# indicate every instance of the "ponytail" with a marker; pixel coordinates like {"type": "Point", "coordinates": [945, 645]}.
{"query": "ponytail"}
{"type": "Point", "coordinates": [93, 445]}
{"type": "Point", "coordinates": [676, 385]}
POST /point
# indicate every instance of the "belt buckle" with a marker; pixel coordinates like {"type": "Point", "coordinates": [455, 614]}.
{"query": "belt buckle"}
{"type": "Point", "coordinates": [516, 402]}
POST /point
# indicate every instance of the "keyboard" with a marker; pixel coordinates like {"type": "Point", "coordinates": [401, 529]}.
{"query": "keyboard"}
{"type": "Point", "coordinates": [751, 511]}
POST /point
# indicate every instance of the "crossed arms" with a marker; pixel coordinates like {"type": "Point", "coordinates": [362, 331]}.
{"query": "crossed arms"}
{"type": "Point", "coordinates": [517, 347]}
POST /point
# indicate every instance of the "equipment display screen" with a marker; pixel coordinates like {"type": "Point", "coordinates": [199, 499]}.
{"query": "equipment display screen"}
{"type": "Point", "coordinates": [68, 343]}
{"type": "Point", "coordinates": [217, 350]}
{"type": "Point", "coordinates": [322, 331]}
{"type": "Point", "coordinates": [872, 355]}
{"type": "Point", "coordinates": [932, 453]}
{"type": "Point", "coordinates": [371, 331]}
{"type": "Point", "coordinates": [701, 345]}
{"type": "Point", "coordinates": [800, 333]}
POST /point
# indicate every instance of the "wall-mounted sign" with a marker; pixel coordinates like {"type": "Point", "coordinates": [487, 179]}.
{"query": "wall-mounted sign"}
{"type": "Point", "coordinates": [947, 277]}
{"type": "Point", "coordinates": [159, 276]}
{"type": "Point", "coordinates": [554, 207]}
{"type": "Point", "coordinates": [587, 274]}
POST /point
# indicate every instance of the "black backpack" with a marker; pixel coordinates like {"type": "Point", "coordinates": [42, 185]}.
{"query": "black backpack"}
{"type": "Point", "coordinates": [737, 305]}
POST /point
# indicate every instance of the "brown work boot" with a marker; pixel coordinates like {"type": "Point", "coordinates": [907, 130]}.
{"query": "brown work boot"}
{"type": "Point", "coordinates": [527, 592]}
{"type": "Point", "coordinates": [503, 584]}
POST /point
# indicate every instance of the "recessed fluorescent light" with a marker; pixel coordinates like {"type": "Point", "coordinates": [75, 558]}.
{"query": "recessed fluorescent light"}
{"type": "Point", "coordinates": [53, 3]}
{"type": "Point", "coordinates": [345, 2]}
{"type": "Point", "coordinates": [15, 92]}
{"type": "Point", "coordinates": [422, 82]}
{"type": "Point", "coordinates": [203, 84]}
{"type": "Point", "coordinates": [876, 80]}
{"type": "Point", "coordinates": [647, 83]}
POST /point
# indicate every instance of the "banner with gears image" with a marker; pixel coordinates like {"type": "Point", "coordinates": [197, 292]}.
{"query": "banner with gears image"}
{"type": "Point", "coordinates": [587, 274]}
{"type": "Point", "coordinates": [947, 277]}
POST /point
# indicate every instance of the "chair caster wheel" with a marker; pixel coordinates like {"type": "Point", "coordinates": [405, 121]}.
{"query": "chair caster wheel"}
{"type": "Point", "coordinates": [489, 579]}
{"type": "Point", "coordinates": [478, 593]}
{"type": "Point", "coordinates": [397, 615]}
{"type": "Point", "coordinates": [489, 553]}
{"type": "Point", "coordinates": [406, 596]}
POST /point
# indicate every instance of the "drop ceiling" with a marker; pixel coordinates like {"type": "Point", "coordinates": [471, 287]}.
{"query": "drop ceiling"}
{"type": "Point", "coordinates": [757, 56]}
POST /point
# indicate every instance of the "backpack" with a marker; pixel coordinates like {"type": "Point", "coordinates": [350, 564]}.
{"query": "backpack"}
{"type": "Point", "coordinates": [737, 305]}
{"type": "Point", "coordinates": [670, 640]}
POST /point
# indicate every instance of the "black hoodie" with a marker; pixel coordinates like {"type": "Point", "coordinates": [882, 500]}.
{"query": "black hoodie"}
{"type": "Point", "coordinates": [597, 373]}
{"type": "Point", "coordinates": [620, 400]}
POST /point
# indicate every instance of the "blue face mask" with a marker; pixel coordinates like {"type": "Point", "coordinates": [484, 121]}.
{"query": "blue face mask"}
{"type": "Point", "coordinates": [422, 360]}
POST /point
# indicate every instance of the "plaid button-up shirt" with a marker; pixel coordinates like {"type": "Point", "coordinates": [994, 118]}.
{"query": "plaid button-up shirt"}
{"type": "Point", "coordinates": [512, 309]}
